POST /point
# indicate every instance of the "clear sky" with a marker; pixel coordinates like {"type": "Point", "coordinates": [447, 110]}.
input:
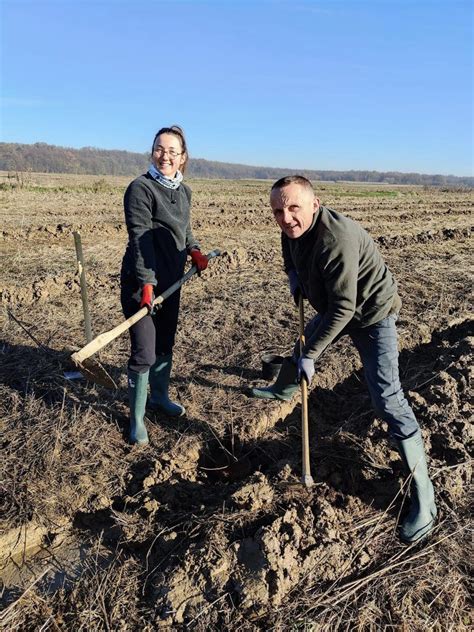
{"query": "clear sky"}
{"type": "Point", "coordinates": [341, 84]}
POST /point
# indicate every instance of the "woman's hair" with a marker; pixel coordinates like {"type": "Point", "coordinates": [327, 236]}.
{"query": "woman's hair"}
{"type": "Point", "coordinates": [178, 132]}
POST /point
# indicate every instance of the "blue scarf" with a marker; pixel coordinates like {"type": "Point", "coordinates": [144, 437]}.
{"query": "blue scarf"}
{"type": "Point", "coordinates": [169, 183]}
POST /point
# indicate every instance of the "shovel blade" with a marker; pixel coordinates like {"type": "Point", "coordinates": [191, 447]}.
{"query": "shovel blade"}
{"type": "Point", "coordinates": [93, 370]}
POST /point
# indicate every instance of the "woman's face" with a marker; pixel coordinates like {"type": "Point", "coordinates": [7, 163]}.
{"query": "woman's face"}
{"type": "Point", "coordinates": [168, 154]}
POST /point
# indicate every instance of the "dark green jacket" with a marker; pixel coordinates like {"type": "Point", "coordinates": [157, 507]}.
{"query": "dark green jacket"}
{"type": "Point", "coordinates": [343, 276]}
{"type": "Point", "coordinates": [152, 214]}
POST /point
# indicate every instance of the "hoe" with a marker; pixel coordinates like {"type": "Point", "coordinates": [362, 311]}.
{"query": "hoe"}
{"type": "Point", "coordinates": [93, 370]}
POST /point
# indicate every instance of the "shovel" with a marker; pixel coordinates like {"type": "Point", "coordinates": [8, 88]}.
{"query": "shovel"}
{"type": "Point", "coordinates": [306, 479]}
{"type": "Point", "coordinates": [93, 370]}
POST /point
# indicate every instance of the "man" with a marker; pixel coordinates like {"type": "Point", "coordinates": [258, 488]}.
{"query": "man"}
{"type": "Point", "coordinates": [335, 264]}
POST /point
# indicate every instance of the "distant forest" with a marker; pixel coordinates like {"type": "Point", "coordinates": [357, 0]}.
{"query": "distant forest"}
{"type": "Point", "coordinates": [44, 158]}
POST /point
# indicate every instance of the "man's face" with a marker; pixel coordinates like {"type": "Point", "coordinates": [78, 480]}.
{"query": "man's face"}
{"type": "Point", "coordinates": [294, 207]}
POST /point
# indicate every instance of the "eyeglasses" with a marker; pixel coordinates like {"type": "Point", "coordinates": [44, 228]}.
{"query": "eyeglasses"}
{"type": "Point", "coordinates": [161, 151]}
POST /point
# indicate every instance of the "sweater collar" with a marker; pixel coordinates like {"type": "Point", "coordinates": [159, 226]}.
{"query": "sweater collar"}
{"type": "Point", "coordinates": [169, 183]}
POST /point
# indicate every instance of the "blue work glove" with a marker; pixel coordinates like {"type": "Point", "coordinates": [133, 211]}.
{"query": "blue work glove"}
{"type": "Point", "coordinates": [305, 369]}
{"type": "Point", "coordinates": [295, 287]}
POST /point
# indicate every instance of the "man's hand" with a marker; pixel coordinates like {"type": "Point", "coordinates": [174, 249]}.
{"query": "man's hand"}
{"type": "Point", "coordinates": [305, 369]}
{"type": "Point", "coordinates": [295, 287]}
{"type": "Point", "coordinates": [198, 259]}
{"type": "Point", "coordinates": [147, 297]}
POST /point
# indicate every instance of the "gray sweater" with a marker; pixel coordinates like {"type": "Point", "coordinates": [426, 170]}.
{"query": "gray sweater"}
{"type": "Point", "coordinates": [343, 276]}
{"type": "Point", "coordinates": [149, 208]}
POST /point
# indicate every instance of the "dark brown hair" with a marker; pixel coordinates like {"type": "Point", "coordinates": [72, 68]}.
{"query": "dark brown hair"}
{"type": "Point", "coordinates": [301, 180]}
{"type": "Point", "coordinates": [177, 131]}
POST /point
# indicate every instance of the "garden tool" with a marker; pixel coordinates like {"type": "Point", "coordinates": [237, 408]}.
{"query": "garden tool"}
{"type": "Point", "coordinates": [306, 479]}
{"type": "Point", "coordinates": [90, 368]}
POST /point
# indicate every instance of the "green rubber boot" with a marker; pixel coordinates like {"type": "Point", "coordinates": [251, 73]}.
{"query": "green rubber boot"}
{"type": "Point", "coordinates": [422, 514]}
{"type": "Point", "coordinates": [159, 383]}
{"type": "Point", "coordinates": [284, 387]}
{"type": "Point", "coordinates": [137, 393]}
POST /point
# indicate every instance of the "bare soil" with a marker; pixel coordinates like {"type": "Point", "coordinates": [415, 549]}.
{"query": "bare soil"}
{"type": "Point", "coordinates": [209, 527]}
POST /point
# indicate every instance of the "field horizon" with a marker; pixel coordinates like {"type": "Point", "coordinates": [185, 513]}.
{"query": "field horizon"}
{"type": "Point", "coordinates": [43, 158]}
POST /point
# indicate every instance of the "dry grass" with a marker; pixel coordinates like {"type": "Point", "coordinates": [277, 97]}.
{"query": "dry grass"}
{"type": "Point", "coordinates": [167, 530]}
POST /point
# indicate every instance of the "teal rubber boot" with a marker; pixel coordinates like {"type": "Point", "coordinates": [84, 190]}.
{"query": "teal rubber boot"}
{"type": "Point", "coordinates": [284, 387]}
{"type": "Point", "coordinates": [137, 394]}
{"type": "Point", "coordinates": [159, 383]}
{"type": "Point", "coordinates": [422, 514]}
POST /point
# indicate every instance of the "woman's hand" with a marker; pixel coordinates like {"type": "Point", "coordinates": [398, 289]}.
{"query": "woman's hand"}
{"type": "Point", "coordinates": [198, 259]}
{"type": "Point", "coordinates": [147, 297]}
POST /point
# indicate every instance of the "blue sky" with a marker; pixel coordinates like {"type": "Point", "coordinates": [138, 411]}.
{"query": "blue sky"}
{"type": "Point", "coordinates": [361, 84]}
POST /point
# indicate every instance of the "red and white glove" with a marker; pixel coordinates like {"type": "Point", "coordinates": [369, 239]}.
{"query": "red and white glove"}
{"type": "Point", "coordinates": [147, 297]}
{"type": "Point", "coordinates": [198, 259]}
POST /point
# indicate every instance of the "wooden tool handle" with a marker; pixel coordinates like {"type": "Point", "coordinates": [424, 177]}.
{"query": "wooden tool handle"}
{"type": "Point", "coordinates": [306, 478]}
{"type": "Point", "coordinates": [103, 339]}
{"type": "Point", "coordinates": [302, 338]}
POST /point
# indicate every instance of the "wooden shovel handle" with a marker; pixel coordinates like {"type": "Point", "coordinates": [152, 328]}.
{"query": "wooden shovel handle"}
{"type": "Point", "coordinates": [103, 339]}
{"type": "Point", "coordinates": [306, 478]}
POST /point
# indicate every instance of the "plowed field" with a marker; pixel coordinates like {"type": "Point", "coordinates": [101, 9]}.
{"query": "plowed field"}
{"type": "Point", "coordinates": [209, 527]}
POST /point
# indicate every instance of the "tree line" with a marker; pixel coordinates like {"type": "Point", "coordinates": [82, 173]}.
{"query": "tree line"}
{"type": "Point", "coordinates": [44, 158]}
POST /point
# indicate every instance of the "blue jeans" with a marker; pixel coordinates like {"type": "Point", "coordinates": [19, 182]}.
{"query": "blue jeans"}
{"type": "Point", "coordinates": [378, 349]}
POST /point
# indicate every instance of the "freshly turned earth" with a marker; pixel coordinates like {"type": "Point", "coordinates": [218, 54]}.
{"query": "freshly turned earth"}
{"type": "Point", "coordinates": [209, 527]}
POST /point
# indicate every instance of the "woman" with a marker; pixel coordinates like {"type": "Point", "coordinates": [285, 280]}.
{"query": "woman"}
{"type": "Point", "coordinates": [157, 213]}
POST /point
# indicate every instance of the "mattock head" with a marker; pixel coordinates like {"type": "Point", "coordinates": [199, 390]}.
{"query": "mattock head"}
{"type": "Point", "coordinates": [94, 371]}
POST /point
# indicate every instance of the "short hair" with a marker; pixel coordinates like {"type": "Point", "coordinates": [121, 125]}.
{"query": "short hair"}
{"type": "Point", "coordinates": [177, 131]}
{"type": "Point", "coordinates": [301, 180]}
